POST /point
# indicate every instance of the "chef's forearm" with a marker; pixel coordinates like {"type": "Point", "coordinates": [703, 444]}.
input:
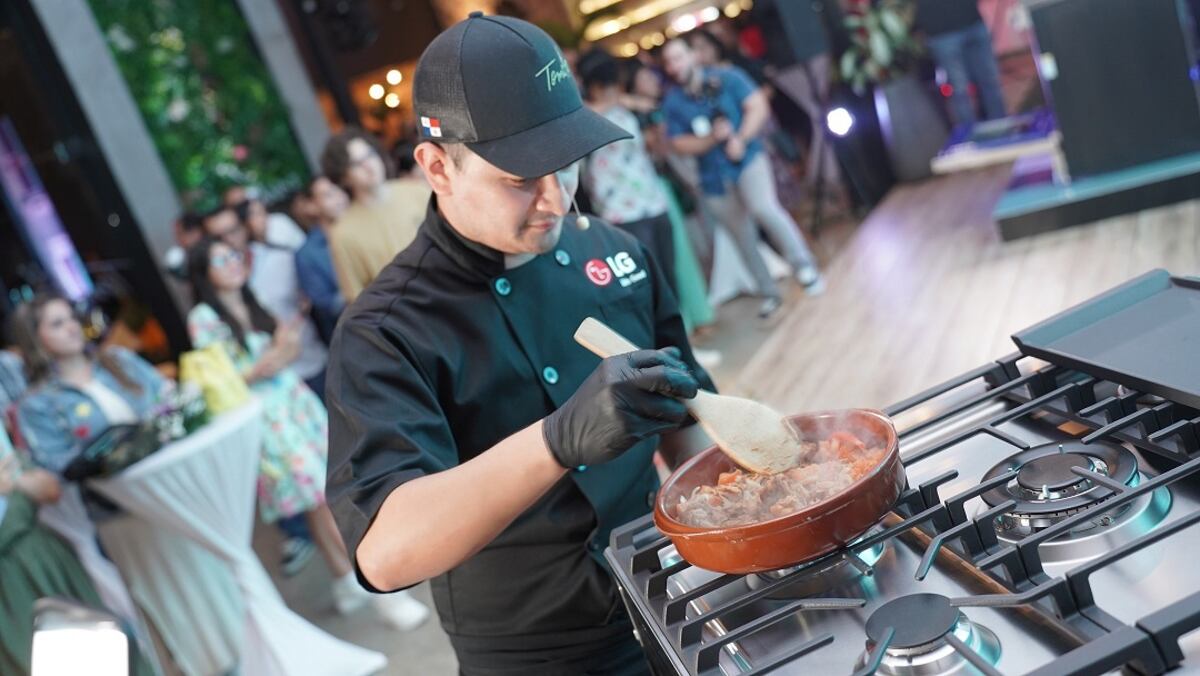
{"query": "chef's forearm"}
{"type": "Point", "coordinates": [432, 524]}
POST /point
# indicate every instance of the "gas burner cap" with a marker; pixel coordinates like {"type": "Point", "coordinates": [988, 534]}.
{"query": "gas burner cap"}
{"type": "Point", "coordinates": [1053, 472]}
{"type": "Point", "coordinates": [1047, 488]}
{"type": "Point", "coordinates": [918, 620]}
{"type": "Point", "coordinates": [919, 646]}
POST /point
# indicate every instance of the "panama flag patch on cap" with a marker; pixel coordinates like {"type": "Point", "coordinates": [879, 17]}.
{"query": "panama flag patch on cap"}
{"type": "Point", "coordinates": [431, 127]}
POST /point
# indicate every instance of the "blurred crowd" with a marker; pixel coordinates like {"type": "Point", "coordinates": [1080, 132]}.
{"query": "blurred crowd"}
{"type": "Point", "coordinates": [727, 144]}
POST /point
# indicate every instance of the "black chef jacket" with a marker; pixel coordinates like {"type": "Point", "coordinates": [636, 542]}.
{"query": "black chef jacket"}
{"type": "Point", "coordinates": [447, 353]}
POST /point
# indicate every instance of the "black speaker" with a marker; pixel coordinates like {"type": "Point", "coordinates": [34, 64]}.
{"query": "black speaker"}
{"type": "Point", "coordinates": [862, 153]}
{"type": "Point", "coordinates": [1120, 75]}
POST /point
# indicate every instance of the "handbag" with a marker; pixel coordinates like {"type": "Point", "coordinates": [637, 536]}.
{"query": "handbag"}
{"type": "Point", "coordinates": [213, 372]}
{"type": "Point", "coordinates": [115, 449]}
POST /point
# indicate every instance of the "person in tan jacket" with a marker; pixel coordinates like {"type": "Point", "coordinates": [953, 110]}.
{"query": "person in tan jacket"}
{"type": "Point", "coordinates": [383, 215]}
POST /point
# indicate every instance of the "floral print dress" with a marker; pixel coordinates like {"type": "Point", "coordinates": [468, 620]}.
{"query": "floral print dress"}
{"type": "Point", "coordinates": [291, 472]}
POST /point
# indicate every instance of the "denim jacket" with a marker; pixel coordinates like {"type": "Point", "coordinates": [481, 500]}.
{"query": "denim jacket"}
{"type": "Point", "coordinates": [59, 420]}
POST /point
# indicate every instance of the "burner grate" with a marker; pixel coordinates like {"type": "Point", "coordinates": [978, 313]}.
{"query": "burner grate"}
{"type": "Point", "coordinates": [687, 635]}
{"type": "Point", "coordinates": [1021, 560]}
{"type": "Point", "coordinates": [1168, 429]}
{"type": "Point", "coordinates": [1153, 644]}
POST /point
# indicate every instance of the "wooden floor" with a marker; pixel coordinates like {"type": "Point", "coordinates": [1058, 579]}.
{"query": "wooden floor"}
{"type": "Point", "coordinates": [924, 290]}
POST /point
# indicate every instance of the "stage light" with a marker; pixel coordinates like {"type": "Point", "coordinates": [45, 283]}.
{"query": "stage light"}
{"type": "Point", "coordinates": [376, 91]}
{"type": "Point", "coordinates": [840, 121]}
{"type": "Point", "coordinates": [394, 77]}
{"type": "Point", "coordinates": [392, 100]}
{"type": "Point", "coordinates": [685, 23]}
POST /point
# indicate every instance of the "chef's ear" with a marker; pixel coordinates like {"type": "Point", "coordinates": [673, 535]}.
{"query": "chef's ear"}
{"type": "Point", "coordinates": [437, 165]}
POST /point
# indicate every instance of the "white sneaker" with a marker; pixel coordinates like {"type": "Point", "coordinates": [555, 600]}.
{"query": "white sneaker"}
{"type": "Point", "coordinates": [348, 595]}
{"type": "Point", "coordinates": [770, 306]}
{"type": "Point", "coordinates": [816, 288]}
{"type": "Point", "coordinates": [297, 552]}
{"type": "Point", "coordinates": [709, 359]}
{"type": "Point", "coordinates": [811, 279]}
{"type": "Point", "coordinates": [401, 610]}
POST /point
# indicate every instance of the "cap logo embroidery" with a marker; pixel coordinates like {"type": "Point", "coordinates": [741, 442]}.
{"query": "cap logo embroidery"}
{"type": "Point", "coordinates": [555, 71]}
{"type": "Point", "coordinates": [431, 127]}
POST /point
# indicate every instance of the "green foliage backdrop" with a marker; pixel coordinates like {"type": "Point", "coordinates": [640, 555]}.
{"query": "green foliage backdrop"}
{"type": "Point", "coordinates": [205, 95]}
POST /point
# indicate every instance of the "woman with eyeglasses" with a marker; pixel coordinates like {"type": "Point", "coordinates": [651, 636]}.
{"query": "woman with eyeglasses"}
{"type": "Point", "coordinates": [291, 477]}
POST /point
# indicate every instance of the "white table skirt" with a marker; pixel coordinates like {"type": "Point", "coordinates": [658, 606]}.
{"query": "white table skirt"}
{"type": "Point", "coordinates": [69, 518]}
{"type": "Point", "coordinates": [189, 594]}
{"type": "Point", "coordinates": [204, 488]}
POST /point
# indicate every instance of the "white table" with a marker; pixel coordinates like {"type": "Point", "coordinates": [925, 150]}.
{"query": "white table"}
{"type": "Point", "coordinates": [188, 593]}
{"type": "Point", "coordinates": [203, 487]}
{"type": "Point", "coordinates": [69, 518]}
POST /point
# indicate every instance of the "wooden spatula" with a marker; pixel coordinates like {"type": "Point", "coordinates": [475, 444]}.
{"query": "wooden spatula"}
{"type": "Point", "coordinates": [753, 435]}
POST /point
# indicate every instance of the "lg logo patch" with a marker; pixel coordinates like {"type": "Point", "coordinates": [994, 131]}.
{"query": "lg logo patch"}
{"type": "Point", "coordinates": [598, 272]}
{"type": "Point", "coordinates": [621, 266]}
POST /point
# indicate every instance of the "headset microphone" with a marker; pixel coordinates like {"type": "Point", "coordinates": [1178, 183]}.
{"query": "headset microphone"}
{"type": "Point", "coordinates": [581, 221]}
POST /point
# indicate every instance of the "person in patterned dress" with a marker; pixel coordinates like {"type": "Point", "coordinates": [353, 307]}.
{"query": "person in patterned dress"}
{"type": "Point", "coordinates": [620, 177]}
{"type": "Point", "coordinates": [291, 477]}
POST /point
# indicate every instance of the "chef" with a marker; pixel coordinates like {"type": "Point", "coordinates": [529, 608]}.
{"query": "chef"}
{"type": "Point", "coordinates": [473, 442]}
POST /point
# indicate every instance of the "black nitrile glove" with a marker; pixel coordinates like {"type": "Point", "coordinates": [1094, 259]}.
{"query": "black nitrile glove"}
{"type": "Point", "coordinates": [628, 398]}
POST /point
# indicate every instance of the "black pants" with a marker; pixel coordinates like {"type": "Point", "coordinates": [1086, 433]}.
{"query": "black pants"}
{"type": "Point", "coordinates": [655, 234]}
{"type": "Point", "coordinates": [619, 656]}
{"type": "Point", "coordinates": [623, 659]}
{"type": "Point", "coordinates": [317, 385]}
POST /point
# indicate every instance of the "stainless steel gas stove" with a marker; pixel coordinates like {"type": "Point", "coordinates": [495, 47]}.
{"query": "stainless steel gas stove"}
{"type": "Point", "coordinates": [1046, 529]}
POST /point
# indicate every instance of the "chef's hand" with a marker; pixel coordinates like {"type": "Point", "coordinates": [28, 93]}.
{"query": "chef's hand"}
{"type": "Point", "coordinates": [628, 398]}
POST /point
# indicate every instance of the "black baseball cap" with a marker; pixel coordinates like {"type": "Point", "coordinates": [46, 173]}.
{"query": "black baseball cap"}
{"type": "Point", "coordinates": [502, 87]}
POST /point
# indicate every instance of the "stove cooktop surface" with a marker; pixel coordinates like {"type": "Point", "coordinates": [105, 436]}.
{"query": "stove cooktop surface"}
{"type": "Point", "coordinates": [1044, 530]}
